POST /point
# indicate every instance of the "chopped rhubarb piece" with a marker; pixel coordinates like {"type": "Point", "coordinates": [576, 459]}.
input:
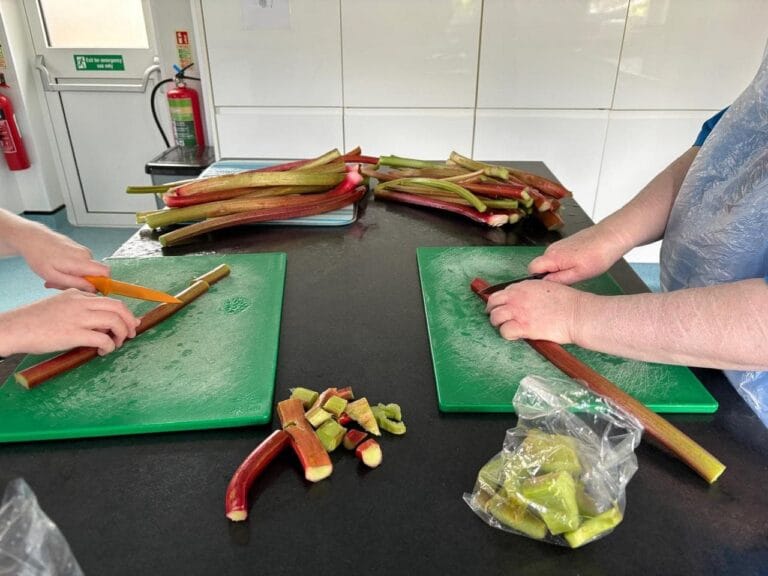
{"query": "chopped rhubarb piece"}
{"type": "Point", "coordinates": [369, 452]}
{"type": "Point", "coordinates": [312, 455]}
{"type": "Point", "coordinates": [331, 433]}
{"type": "Point", "coordinates": [392, 411]}
{"type": "Point", "coordinates": [306, 396]}
{"type": "Point", "coordinates": [335, 405]}
{"type": "Point", "coordinates": [344, 419]}
{"type": "Point", "coordinates": [353, 437]}
{"type": "Point", "coordinates": [324, 395]}
{"type": "Point", "coordinates": [391, 426]}
{"type": "Point", "coordinates": [360, 411]}
{"type": "Point", "coordinates": [318, 416]}
{"type": "Point", "coordinates": [346, 393]}
{"type": "Point", "coordinates": [236, 502]}
{"type": "Point", "coordinates": [314, 459]}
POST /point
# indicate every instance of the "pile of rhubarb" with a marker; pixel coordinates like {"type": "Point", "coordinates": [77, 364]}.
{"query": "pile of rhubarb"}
{"type": "Point", "coordinates": [485, 193]}
{"type": "Point", "coordinates": [314, 425]}
{"type": "Point", "coordinates": [280, 192]}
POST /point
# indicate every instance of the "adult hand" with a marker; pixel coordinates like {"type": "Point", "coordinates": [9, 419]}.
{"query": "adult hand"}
{"type": "Point", "coordinates": [537, 310]}
{"type": "Point", "coordinates": [64, 321]}
{"type": "Point", "coordinates": [586, 254]}
{"type": "Point", "coordinates": [58, 260]}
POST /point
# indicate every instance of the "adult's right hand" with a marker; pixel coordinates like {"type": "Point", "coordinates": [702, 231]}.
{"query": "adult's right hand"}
{"type": "Point", "coordinates": [586, 254]}
{"type": "Point", "coordinates": [72, 318]}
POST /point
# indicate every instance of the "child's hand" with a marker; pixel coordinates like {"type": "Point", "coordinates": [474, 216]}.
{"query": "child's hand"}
{"type": "Point", "coordinates": [584, 255]}
{"type": "Point", "coordinates": [64, 321]}
{"type": "Point", "coordinates": [537, 310]}
{"type": "Point", "coordinates": [59, 261]}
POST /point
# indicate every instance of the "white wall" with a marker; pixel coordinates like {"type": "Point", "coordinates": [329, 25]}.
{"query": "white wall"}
{"type": "Point", "coordinates": [606, 92]}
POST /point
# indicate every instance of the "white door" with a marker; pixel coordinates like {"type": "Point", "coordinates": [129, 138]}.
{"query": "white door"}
{"type": "Point", "coordinates": [97, 62]}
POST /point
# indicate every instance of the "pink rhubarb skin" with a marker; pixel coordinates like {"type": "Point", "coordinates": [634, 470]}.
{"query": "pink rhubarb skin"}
{"type": "Point", "coordinates": [236, 501]}
{"type": "Point", "coordinates": [313, 457]}
{"type": "Point", "coordinates": [493, 219]}
{"type": "Point", "coordinates": [696, 457]}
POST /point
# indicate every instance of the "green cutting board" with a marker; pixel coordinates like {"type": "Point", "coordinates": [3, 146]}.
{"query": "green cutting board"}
{"type": "Point", "coordinates": [210, 365]}
{"type": "Point", "coordinates": [478, 371]}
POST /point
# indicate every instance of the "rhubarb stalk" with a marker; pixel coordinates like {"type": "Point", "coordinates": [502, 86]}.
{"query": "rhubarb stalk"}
{"type": "Point", "coordinates": [251, 178]}
{"type": "Point", "coordinates": [47, 369]}
{"type": "Point", "coordinates": [307, 446]}
{"type": "Point", "coordinates": [695, 456]}
{"type": "Point", "coordinates": [236, 500]}
{"type": "Point", "coordinates": [345, 193]}
{"type": "Point", "coordinates": [489, 218]}
{"type": "Point", "coordinates": [439, 185]}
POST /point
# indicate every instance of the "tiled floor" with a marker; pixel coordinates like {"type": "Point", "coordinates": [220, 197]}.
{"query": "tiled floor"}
{"type": "Point", "coordinates": [20, 286]}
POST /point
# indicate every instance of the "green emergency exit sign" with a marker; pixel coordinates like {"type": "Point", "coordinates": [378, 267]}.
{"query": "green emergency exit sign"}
{"type": "Point", "coordinates": [97, 62]}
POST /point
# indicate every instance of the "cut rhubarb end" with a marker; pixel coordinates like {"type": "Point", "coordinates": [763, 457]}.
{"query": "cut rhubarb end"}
{"type": "Point", "coordinates": [360, 411]}
{"type": "Point", "coordinates": [370, 453]}
{"type": "Point", "coordinates": [236, 501]}
{"type": "Point", "coordinates": [318, 473]}
{"type": "Point", "coordinates": [312, 455]}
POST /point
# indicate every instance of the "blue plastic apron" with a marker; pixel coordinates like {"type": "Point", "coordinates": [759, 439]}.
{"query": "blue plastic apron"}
{"type": "Point", "coordinates": [718, 227]}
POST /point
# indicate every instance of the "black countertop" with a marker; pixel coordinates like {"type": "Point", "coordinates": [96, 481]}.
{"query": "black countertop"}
{"type": "Point", "coordinates": [353, 316]}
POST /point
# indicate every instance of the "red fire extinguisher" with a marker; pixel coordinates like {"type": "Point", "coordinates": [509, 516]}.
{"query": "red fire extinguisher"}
{"type": "Point", "coordinates": [186, 119]}
{"type": "Point", "coordinates": [10, 138]}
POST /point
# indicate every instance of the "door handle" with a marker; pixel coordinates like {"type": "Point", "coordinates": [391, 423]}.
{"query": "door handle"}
{"type": "Point", "coordinates": [50, 86]}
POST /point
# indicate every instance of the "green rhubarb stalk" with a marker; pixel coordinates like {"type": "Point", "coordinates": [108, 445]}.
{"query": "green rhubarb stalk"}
{"type": "Point", "coordinates": [155, 188]}
{"type": "Point", "coordinates": [306, 396]}
{"type": "Point", "coordinates": [488, 169]}
{"type": "Point", "coordinates": [400, 162]}
{"type": "Point", "coordinates": [198, 212]}
{"type": "Point", "coordinates": [476, 203]}
{"type": "Point", "coordinates": [253, 178]}
{"type": "Point", "coordinates": [326, 158]}
{"type": "Point", "coordinates": [499, 204]}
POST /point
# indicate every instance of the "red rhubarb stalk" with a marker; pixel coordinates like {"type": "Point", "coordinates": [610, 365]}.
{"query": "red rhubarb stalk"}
{"type": "Point", "coordinates": [544, 184]}
{"type": "Point", "coordinates": [305, 443]}
{"type": "Point", "coordinates": [696, 457]}
{"type": "Point", "coordinates": [236, 500]}
{"type": "Point", "coordinates": [514, 192]}
{"type": "Point", "coordinates": [47, 369]}
{"type": "Point", "coordinates": [551, 220]}
{"type": "Point", "coordinates": [359, 159]}
{"type": "Point", "coordinates": [489, 218]}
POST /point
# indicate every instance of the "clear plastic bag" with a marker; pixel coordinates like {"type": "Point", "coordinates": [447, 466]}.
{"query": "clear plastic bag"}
{"type": "Point", "coordinates": [561, 474]}
{"type": "Point", "coordinates": [30, 544]}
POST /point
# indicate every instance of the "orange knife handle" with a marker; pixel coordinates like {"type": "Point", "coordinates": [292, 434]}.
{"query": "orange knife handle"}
{"type": "Point", "coordinates": [101, 283]}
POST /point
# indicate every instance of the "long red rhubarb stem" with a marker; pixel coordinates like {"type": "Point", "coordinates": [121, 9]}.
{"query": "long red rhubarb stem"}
{"type": "Point", "coordinates": [236, 500]}
{"type": "Point", "coordinates": [47, 369]}
{"type": "Point", "coordinates": [489, 218]}
{"type": "Point", "coordinates": [695, 456]}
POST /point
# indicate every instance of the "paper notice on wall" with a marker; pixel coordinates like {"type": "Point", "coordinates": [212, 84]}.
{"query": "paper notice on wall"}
{"type": "Point", "coordinates": [2, 59]}
{"type": "Point", "coordinates": [265, 14]}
